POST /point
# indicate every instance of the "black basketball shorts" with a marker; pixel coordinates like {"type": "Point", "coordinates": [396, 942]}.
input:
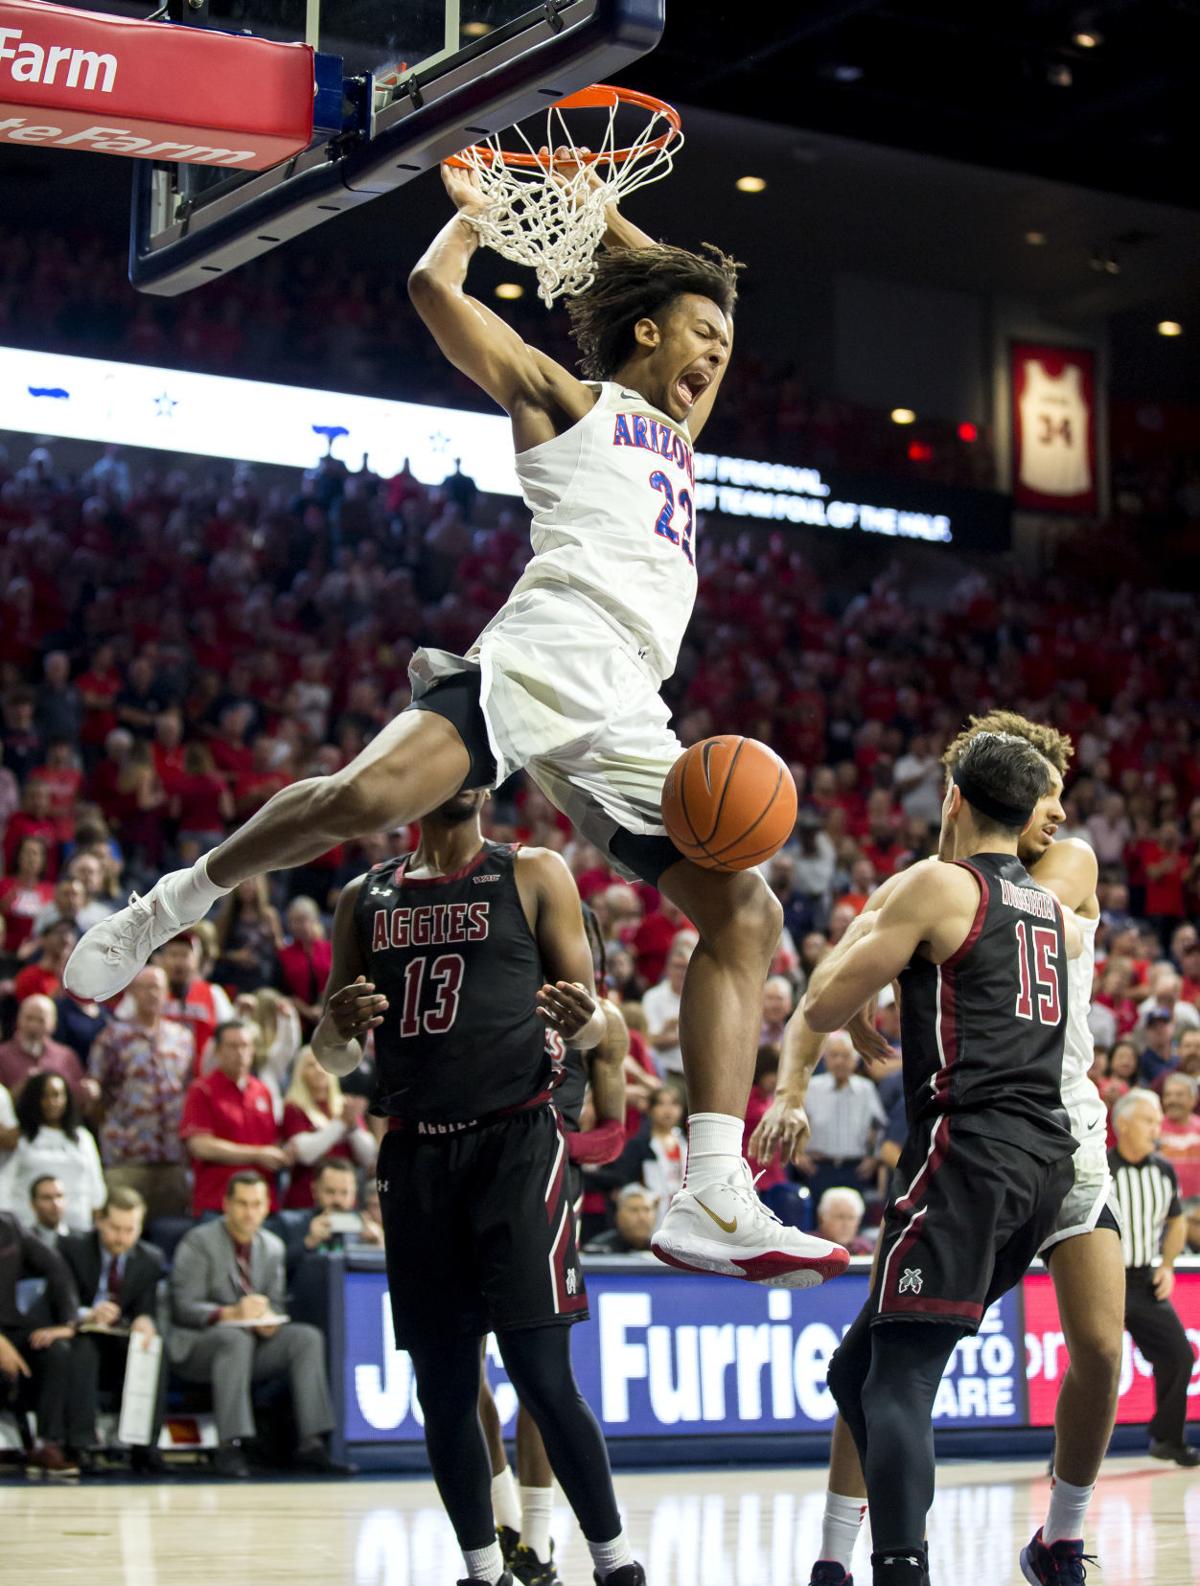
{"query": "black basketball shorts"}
{"type": "Point", "coordinates": [479, 1230]}
{"type": "Point", "coordinates": [967, 1215]}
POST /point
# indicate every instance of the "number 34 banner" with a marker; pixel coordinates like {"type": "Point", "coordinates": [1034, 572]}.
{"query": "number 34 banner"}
{"type": "Point", "coordinates": [1054, 429]}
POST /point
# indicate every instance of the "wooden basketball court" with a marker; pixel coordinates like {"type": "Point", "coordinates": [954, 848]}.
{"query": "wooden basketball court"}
{"type": "Point", "coordinates": [721, 1527]}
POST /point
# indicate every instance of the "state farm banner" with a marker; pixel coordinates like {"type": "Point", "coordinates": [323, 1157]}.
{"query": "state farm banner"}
{"type": "Point", "coordinates": [1054, 429]}
{"type": "Point", "coordinates": [79, 80]}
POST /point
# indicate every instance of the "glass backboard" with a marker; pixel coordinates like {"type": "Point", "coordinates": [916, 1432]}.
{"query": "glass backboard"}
{"type": "Point", "coordinates": [418, 80]}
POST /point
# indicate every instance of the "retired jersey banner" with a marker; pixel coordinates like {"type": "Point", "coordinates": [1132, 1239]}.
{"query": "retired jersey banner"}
{"type": "Point", "coordinates": [1054, 429]}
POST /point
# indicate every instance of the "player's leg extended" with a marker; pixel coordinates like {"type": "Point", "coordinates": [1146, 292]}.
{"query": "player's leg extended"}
{"type": "Point", "coordinates": [538, 1360]}
{"type": "Point", "coordinates": [416, 763]}
{"type": "Point", "coordinates": [717, 1223]}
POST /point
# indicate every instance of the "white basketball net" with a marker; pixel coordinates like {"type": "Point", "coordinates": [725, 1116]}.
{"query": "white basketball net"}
{"type": "Point", "coordinates": [550, 218]}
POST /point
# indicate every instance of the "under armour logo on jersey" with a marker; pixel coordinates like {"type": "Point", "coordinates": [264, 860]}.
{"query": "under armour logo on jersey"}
{"type": "Point", "coordinates": [378, 892]}
{"type": "Point", "coordinates": [478, 879]}
{"type": "Point", "coordinates": [381, 1184]}
{"type": "Point", "coordinates": [912, 1281]}
{"type": "Point", "coordinates": [572, 1281]}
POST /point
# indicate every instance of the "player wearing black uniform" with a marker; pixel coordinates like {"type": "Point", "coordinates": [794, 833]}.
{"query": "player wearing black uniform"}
{"type": "Point", "coordinates": [981, 952]}
{"type": "Point", "coordinates": [459, 956]}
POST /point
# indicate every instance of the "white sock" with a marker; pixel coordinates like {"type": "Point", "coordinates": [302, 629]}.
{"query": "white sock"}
{"type": "Point", "coordinates": [840, 1527]}
{"type": "Point", "coordinates": [537, 1504]}
{"type": "Point", "coordinates": [506, 1506]}
{"type": "Point", "coordinates": [1068, 1505]}
{"type": "Point", "coordinates": [189, 893]}
{"type": "Point", "coordinates": [714, 1147]}
{"type": "Point", "coordinates": [610, 1556]}
{"type": "Point", "coordinates": [484, 1564]}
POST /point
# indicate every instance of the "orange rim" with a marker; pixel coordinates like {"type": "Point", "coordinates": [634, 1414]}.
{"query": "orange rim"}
{"type": "Point", "coordinates": [599, 96]}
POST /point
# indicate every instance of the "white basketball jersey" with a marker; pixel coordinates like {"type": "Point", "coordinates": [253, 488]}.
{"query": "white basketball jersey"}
{"type": "Point", "coordinates": [1080, 1097]}
{"type": "Point", "coordinates": [1054, 433]}
{"type": "Point", "coordinates": [613, 510]}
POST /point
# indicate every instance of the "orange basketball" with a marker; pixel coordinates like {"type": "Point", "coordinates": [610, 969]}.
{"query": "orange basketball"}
{"type": "Point", "coordinates": [729, 803]}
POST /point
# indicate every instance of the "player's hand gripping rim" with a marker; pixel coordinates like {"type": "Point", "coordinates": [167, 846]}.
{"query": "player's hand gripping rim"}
{"type": "Point", "coordinates": [356, 1008]}
{"type": "Point", "coordinates": [566, 1006]}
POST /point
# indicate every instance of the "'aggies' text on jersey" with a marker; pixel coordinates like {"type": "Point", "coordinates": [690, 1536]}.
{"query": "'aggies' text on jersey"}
{"type": "Point", "coordinates": [460, 968]}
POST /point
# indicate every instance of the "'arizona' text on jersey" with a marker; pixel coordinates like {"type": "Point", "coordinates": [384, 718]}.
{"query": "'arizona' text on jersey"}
{"type": "Point", "coordinates": [613, 510]}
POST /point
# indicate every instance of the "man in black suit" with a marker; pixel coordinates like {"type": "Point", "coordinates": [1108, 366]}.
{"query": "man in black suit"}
{"type": "Point", "coordinates": [35, 1360]}
{"type": "Point", "coordinates": [117, 1275]}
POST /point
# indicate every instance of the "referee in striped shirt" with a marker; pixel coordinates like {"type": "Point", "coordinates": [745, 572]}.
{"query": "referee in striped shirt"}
{"type": "Point", "coordinates": [1153, 1234]}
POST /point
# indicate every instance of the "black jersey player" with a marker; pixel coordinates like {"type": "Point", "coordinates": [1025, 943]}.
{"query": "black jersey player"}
{"type": "Point", "coordinates": [459, 956]}
{"type": "Point", "coordinates": [980, 952]}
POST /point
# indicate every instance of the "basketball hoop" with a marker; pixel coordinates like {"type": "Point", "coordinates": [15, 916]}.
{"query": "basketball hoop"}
{"type": "Point", "coordinates": [546, 210]}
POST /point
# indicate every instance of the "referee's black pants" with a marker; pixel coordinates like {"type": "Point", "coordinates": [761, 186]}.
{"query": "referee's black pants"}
{"type": "Point", "coordinates": [1155, 1328]}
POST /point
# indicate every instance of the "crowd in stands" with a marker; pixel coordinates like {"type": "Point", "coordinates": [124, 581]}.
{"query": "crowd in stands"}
{"type": "Point", "coordinates": [345, 323]}
{"type": "Point", "coordinates": [177, 642]}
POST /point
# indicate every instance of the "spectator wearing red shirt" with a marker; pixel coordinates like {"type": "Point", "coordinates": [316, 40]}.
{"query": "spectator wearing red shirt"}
{"type": "Point", "coordinates": [62, 779]}
{"type": "Point", "coordinates": [43, 977]}
{"type": "Point", "coordinates": [318, 1123]}
{"type": "Point", "coordinates": [33, 819]}
{"type": "Point", "coordinates": [199, 1004]}
{"type": "Point", "coordinates": [200, 801]}
{"type": "Point", "coordinates": [167, 748]}
{"type": "Point", "coordinates": [304, 962]}
{"type": "Point", "coordinates": [652, 940]}
{"type": "Point", "coordinates": [1179, 1140]}
{"type": "Point", "coordinates": [25, 892]}
{"type": "Point", "coordinates": [265, 778]}
{"type": "Point", "coordinates": [229, 1122]}
{"type": "Point", "coordinates": [1166, 867]}
{"type": "Point", "coordinates": [231, 754]}
{"type": "Point", "coordinates": [98, 689]}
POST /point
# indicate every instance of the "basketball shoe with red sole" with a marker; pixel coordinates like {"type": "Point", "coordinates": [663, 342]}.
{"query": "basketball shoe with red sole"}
{"type": "Point", "coordinates": [722, 1226]}
{"type": "Point", "coordinates": [1063, 1563]}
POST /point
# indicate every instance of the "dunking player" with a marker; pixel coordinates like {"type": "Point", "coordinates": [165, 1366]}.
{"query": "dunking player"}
{"type": "Point", "coordinates": [564, 682]}
{"type": "Point", "coordinates": [444, 953]}
{"type": "Point", "coordinates": [981, 954]}
{"type": "Point", "coordinates": [1083, 1249]}
{"type": "Point", "coordinates": [596, 1077]}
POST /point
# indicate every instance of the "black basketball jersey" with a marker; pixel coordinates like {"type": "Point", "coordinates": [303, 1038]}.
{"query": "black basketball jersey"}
{"type": "Point", "coordinates": [982, 1034]}
{"type": "Point", "coordinates": [461, 970]}
{"type": "Point", "coordinates": [572, 1086]}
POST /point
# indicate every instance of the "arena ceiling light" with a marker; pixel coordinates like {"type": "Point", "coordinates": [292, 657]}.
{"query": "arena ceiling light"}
{"type": "Point", "coordinates": [1087, 39]}
{"type": "Point", "coordinates": [1036, 239]}
{"type": "Point", "coordinates": [903, 416]}
{"type": "Point", "coordinates": [510, 291]}
{"type": "Point", "coordinates": [1170, 327]}
{"type": "Point", "coordinates": [750, 184]}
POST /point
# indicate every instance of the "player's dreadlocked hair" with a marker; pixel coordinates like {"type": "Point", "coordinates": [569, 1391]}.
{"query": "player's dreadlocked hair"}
{"type": "Point", "coordinates": [1056, 746]}
{"type": "Point", "coordinates": [637, 283]}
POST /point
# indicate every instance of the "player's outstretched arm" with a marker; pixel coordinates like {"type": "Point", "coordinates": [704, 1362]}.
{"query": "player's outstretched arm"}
{"type": "Point", "coordinates": [352, 1006]}
{"type": "Point", "coordinates": [540, 395]}
{"type": "Point", "coordinates": [931, 903]}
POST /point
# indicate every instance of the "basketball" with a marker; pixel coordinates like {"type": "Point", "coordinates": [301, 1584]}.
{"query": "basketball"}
{"type": "Point", "coordinates": [729, 803]}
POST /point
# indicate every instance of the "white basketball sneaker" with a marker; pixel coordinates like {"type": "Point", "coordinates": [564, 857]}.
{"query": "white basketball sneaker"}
{"type": "Point", "coordinates": [107, 957]}
{"type": "Point", "coordinates": [723, 1227]}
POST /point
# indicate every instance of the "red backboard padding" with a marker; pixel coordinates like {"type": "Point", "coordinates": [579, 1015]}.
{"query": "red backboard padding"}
{"type": "Point", "coordinates": [77, 80]}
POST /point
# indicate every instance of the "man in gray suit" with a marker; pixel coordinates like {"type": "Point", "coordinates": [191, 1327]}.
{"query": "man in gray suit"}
{"type": "Point", "coordinates": [227, 1274]}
